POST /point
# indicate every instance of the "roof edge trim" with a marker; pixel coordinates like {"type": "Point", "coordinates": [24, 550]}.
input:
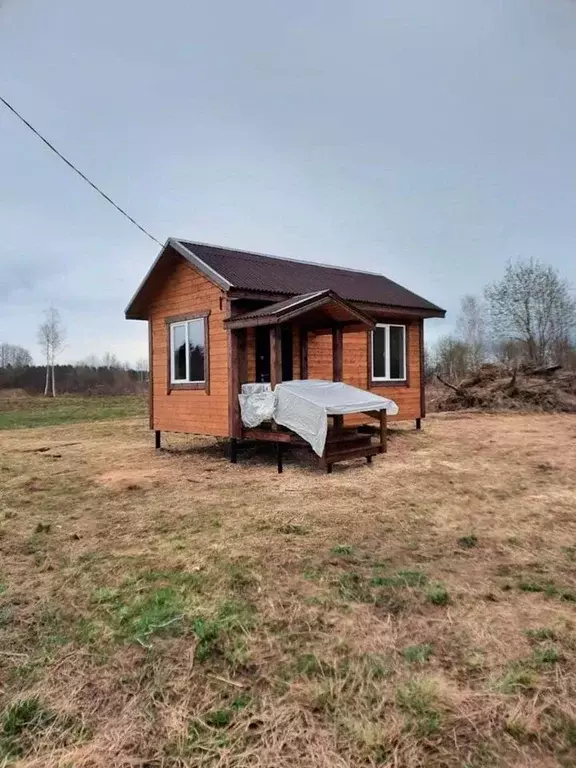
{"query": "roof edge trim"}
{"type": "Point", "coordinates": [197, 262]}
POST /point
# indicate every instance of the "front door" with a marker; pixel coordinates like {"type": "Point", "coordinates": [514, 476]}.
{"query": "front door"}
{"type": "Point", "coordinates": [262, 349]}
{"type": "Point", "coordinates": [262, 353]}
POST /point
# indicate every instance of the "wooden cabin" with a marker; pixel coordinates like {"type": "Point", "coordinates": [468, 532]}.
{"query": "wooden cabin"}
{"type": "Point", "coordinates": [220, 317]}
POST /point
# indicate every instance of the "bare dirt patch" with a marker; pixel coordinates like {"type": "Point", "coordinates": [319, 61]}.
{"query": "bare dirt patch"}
{"type": "Point", "coordinates": [171, 610]}
{"type": "Point", "coordinates": [132, 479]}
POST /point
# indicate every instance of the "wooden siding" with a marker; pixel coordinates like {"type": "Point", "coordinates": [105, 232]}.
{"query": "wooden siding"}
{"type": "Point", "coordinates": [184, 292]}
{"type": "Point", "coordinates": [356, 369]}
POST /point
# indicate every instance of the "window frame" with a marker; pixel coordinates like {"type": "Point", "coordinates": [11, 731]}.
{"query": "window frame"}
{"type": "Point", "coordinates": [379, 381]}
{"type": "Point", "coordinates": [182, 321]}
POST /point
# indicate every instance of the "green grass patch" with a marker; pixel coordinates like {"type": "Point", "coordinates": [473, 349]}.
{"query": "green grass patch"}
{"type": "Point", "coordinates": [418, 654]}
{"type": "Point", "coordinates": [162, 611]}
{"type": "Point", "coordinates": [353, 586]}
{"type": "Point", "coordinates": [152, 603]}
{"type": "Point", "coordinates": [218, 718]}
{"type": "Point", "coordinates": [68, 409]}
{"type": "Point", "coordinates": [222, 636]}
{"type": "Point", "coordinates": [24, 722]}
{"type": "Point", "coordinates": [292, 528]}
{"type": "Point", "coordinates": [437, 594]}
{"type": "Point", "coordinates": [418, 700]}
{"type": "Point", "coordinates": [380, 589]}
{"type": "Point", "coordinates": [309, 665]}
{"type": "Point", "coordinates": [545, 656]}
{"type": "Point", "coordinates": [468, 542]}
{"type": "Point", "coordinates": [342, 549]}
{"type": "Point", "coordinates": [21, 722]}
{"type": "Point", "coordinates": [548, 588]}
{"type": "Point", "coordinates": [517, 679]}
{"type": "Point", "coordinates": [541, 634]}
{"type": "Point", "coordinates": [401, 579]}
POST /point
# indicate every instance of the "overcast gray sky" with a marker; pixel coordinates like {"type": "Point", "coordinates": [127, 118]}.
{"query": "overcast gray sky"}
{"type": "Point", "coordinates": [431, 141]}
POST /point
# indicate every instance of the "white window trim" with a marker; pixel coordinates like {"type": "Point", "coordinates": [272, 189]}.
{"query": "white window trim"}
{"type": "Point", "coordinates": [184, 324]}
{"type": "Point", "coordinates": [387, 327]}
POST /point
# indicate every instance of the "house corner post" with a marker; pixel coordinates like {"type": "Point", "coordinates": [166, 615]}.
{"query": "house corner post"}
{"type": "Point", "coordinates": [234, 357]}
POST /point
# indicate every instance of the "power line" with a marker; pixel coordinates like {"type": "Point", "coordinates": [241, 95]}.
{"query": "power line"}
{"type": "Point", "coordinates": [71, 165]}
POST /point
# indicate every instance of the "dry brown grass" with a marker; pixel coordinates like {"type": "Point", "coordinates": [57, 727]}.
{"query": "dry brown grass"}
{"type": "Point", "coordinates": [176, 610]}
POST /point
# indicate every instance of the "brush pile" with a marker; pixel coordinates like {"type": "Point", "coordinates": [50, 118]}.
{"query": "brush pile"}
{"type": "Point", "coordinates": [495, 387]}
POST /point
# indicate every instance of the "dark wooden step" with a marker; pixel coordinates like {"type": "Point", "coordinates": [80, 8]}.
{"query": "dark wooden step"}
{"type": "Point", "coordinates": [348, 445]}
{"type": "Point", "coordinates": [355, 453]}
{"type": "Point", "coordinates": [346, 434]}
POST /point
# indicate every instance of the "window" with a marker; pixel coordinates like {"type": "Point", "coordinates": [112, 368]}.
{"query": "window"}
{"type": "Point", "coordinates": [188, 351]}
{"type": "Point", "coordinates": [389, 353]}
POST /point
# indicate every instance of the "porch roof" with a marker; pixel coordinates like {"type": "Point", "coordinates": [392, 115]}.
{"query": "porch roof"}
{"type": "Point", "coordinates": [318, 309]}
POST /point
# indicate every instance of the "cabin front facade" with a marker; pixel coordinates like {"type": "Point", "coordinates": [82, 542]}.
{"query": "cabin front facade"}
{"type": "Point", "coordinates": [219, 318]}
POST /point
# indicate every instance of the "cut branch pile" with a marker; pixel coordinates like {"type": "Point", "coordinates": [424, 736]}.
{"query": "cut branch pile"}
{"type": "Point", "coordinates": [496, 387]}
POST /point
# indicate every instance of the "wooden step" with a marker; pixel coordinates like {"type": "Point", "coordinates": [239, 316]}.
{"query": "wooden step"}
{"type": "Point", "coordinates": [345, 434]}
{"type": "Point", "coordinates": [348, 445]}
{"type": "Point", "coordinates": [355, 453]}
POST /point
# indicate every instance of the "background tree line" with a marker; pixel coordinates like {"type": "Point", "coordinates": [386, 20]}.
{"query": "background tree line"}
{"type": "Point", "coordinates": [528, 317]}
{"type": "Point", "coordinates": [90, 376]}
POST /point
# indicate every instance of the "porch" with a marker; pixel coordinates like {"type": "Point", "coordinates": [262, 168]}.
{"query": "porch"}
{"type": "Point", "coordinates": [276, 331]}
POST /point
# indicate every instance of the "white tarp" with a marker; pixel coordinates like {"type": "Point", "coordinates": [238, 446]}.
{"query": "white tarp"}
{"type": "Point", "coordinates": [257, 404]}
{"type": "Point", "coordinates": [304, 406]}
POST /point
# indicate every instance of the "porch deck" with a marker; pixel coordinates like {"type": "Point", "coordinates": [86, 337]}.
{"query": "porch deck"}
{"type": "Point", "coordinates": [342, 443]}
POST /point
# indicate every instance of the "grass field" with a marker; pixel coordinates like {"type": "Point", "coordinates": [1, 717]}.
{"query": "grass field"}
{"type": "Point", "coordinates": [174, 610]}
{"type": "Point", "coordinates": [67, 409]}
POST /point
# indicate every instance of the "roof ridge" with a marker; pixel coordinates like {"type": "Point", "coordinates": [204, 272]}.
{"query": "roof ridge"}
{"type": "Point", "coordinates": [185, 243]}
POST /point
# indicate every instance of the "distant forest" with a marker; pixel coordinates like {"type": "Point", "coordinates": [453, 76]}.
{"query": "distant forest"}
{"type": "Point", "coordinates": [91, 377]}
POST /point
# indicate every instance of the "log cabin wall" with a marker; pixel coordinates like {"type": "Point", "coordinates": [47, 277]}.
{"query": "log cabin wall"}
{"type": "Point", "coordinates": [203, 412]}
{"type": "Point", "coordinates": [357, 369]}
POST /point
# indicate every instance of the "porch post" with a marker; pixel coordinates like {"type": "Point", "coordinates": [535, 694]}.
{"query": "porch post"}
{"type": "Point", "coordinates": [275, 355]}
{"type": "Point", "coordinates": [242, 357]}
{"type": "Point", "coordinates": [303, 353]}
{"type": "Point", "coordinates": [337, 365]}
{"type": "Point", "coordinates": [337, 352]}
{"type": "Point", "coordinates": [383, 432]}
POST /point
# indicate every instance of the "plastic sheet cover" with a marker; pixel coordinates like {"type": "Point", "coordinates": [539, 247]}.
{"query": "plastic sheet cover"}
{"type": "Point", "coordinates": [304, 407]}
{"type": "Point", "coordinates": [257, 404]}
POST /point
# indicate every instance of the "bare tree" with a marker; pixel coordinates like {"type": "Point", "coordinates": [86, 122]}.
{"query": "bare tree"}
{"type": "Point", "coordinates": [89, 362]}
{"type": "Point", "coordinates": [509, 352]}
{"type": "Point", "coordinates": [14, 356]}
{"type": "Point", "coordinates": [51, 336]}
{"type": "Point", "coordinates": [533, 306]}
{"type": "Point", "coordinates": [451, 358]}
{"type": "Point", "coordinates": [109, 360]}
{"type": "Point", "coordinates": [472, 329]}
{"type": "Point", "coordinates": [142, 368]}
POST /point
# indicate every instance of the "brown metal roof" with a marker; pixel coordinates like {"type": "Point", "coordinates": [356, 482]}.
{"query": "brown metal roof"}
{"type": "Point", "coordinates": [270, 274]}
{"type": "Point", "coordinates": [237, 270]}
